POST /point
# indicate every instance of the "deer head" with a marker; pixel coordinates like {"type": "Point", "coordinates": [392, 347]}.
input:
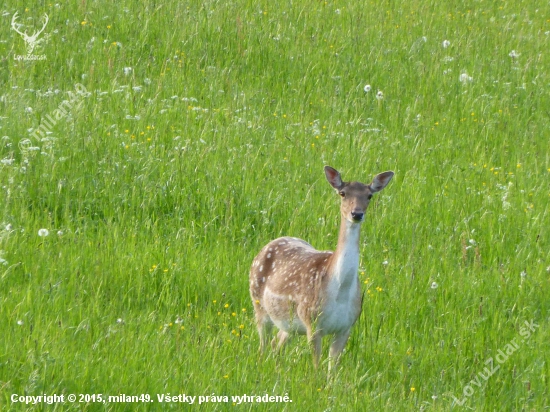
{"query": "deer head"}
{"type": "Point", "coordinates": [355, 196]}
{"type": "Point", "coordinates": [31, 41]}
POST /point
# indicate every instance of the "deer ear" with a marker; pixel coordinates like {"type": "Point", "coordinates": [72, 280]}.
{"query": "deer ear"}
{"type": "Point", "coordinates": [380, 181]}
{"type": "Point", "coordinates": [333, 177]}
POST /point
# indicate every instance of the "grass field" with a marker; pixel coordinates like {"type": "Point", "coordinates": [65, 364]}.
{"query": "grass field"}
{"type": "Point", "coordinates": [187, 134]}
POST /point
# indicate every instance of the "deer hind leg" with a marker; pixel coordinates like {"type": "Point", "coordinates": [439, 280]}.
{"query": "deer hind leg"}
{"type": "Point", "coordinates": [278, 342]}
{"type": "Point", "coordinates": [264, 325]}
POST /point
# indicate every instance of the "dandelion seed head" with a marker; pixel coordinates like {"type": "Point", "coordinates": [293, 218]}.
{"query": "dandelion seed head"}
{"type": "Point", "coordinates": [379, 95]}
{"type": "Point", "coordinates": [43, 232]}
{"type": "Point", "coordinates": [367, 88]}
{"type": "Point", "coordinates": [434, 285]}
{"type": "Point", "coordinates": [465, 78]}
{"type": "Point", "coordinates": [446, 43]}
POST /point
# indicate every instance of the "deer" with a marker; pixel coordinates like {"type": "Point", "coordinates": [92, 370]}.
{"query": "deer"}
{"type": "Point", "coordinates": [303, 291]}
{"type": "Point", "coordinates": [31, 41]}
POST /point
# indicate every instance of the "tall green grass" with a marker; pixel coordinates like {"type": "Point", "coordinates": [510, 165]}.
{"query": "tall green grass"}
{"type": "Point", "coordinates": [203, 135]}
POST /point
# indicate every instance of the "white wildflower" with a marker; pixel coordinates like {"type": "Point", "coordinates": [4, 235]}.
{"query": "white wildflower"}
{"type": "Point", "coordinates": [513, 54]}
{"type": "Point", "coordinates": [465, 78]}
{"type": "Point", "coordinates": [127, 70]}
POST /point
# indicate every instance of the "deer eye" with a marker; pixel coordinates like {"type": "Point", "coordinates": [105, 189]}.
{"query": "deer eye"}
{"type": "Point", "coordinates": [342, 194]}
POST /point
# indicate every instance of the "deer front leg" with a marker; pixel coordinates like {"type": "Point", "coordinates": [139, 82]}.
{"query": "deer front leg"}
{"type": "Point", "coordinates": [336, 348]}
{"type": "Point", "coordinates": [315, 339]}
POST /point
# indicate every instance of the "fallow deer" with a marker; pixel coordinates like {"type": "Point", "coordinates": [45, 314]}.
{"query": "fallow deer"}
{"type": "Point", "coordinates": [305, 291]}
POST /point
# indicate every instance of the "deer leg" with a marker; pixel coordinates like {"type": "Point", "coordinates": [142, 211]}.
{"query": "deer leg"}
{"type": "Point", "coordinates": [282, 337]}
{"type": "Point", "coordinates": [264, 325]}
{"type": "Point", "coordinates": [336, 348]}
{"type": "Point", "coordinates": [264, 330]}
{"type": "Point", "coordinates": [315, 339]}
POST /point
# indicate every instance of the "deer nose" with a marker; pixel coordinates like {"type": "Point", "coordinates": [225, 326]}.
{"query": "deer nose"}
{"type": "Point", "coordinates": [357, 216]}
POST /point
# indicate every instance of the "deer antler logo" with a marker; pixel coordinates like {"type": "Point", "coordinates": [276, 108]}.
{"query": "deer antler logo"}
{"type": "Point", "coordinates": [30, 41]}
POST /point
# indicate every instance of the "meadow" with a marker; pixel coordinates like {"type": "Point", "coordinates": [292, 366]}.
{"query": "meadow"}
{"type": "Point", "coordinates": [179, 137]}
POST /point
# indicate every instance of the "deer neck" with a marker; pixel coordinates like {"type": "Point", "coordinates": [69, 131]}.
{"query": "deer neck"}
{"type": "Point", "coordinates": [345, 260]}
